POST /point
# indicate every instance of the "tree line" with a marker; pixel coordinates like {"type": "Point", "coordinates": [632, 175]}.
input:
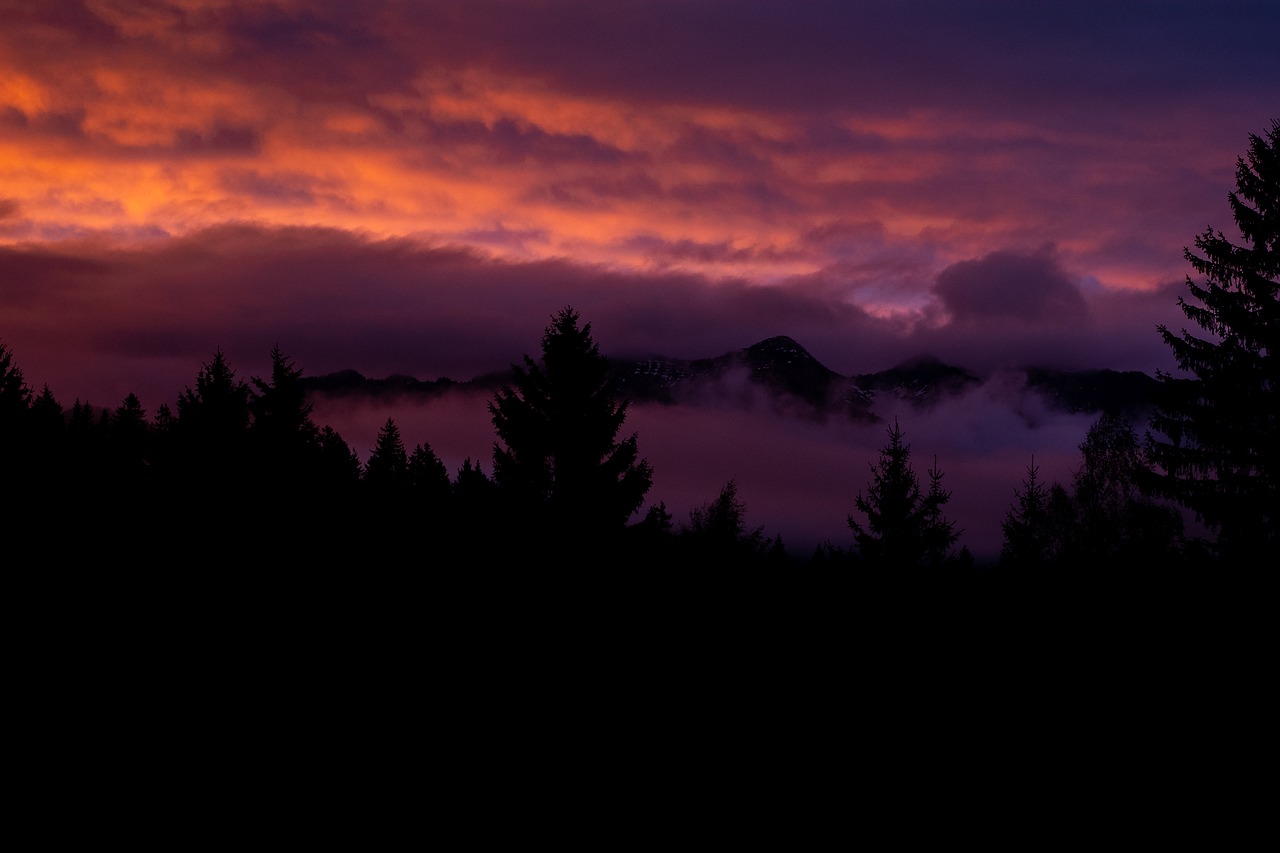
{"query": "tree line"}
{"type": "Point", "coordinates": [239, 471]}
{"type": "Point", "coordinates": [242, 468]}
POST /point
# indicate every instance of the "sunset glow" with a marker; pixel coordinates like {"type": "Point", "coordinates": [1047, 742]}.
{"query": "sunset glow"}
{"type": "Point", "coordinates": [416, 187]}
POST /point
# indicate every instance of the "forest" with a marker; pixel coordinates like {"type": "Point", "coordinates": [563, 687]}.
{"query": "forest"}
{"type": "Point", "coordinates": [237, 472]}
{"type": "Point", "coordinates": [241, 468]}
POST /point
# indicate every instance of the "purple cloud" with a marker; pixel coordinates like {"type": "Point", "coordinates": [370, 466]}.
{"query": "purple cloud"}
{"type": "Point", "coordinates": [1011, 286]}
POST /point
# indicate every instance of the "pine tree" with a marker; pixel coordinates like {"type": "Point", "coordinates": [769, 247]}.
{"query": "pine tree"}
{"type": "Point", "coordinates": [128, 443]}
{"type": "Point", "coordinates": [1026, 527]}
{"type": "Point", "coordinates": [388, 467]}
{"type": "Point", "coordinates": [904, 528]}
{"type": "Point", "coordinates": [938, 532]}
{"type": "Point", "coordinates": [15, 401]}
{"type": "Point", "coordinates": [428, 480]}
{"type": "Point", "coordinates": [1213, 436]}
{"type": "Point", "coordinates": [471, 510]}
{"type": "Point", "coordinates": [717, 533]}
{"type": "Point", "coordinates": [558, 461]}
{"type": "Point", "coordinates": [282, 422]}
{"type": "Point", "coordinates": [48, 426]}
{"type": "Point", "coordinates": [339, 463]}
{"type": "Point", "coordinates": [211, 428]}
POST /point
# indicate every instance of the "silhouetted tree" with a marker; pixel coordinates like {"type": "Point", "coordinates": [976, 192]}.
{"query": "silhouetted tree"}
{"type": "Point", "coordinates": [1213, 436]}
{"type": "Point", "coordinates": [15, 396]}
{"type": "Point", "coordinates": [47, 427]}
{"type": "Point", "coordinates": [387, 470]}
{"type": "Point", "coordinates": [340, 462]}
{"type": "Point", "coordinates": [211, 429]}
{"type": "Point", "coordinates": [128, 444]}
{"type": "Point", "coordinates": [42, 459]}
{"type": "Point", "coordinates": [15, 401]}
{"type": "Point", "coordinates": [1115, 524]}
{"type": "Point", "coordinates": [904, 528]}
{"type": "Point", "coordinates": [1104, 527]}
{"type": "Point", "coordinates": [429, 483]}
{"type": "Point", "coordinates": [717, 532]}
{"type": "Point", "coordinates": [651, 541]}
{"type": "Point", "coordinates": [471, 508]}
{"type": "Point", "coordinates": [938, 532]}
{"type": "Point", "coordinates": [285, 437]}
{"type": "Point", "coordinates": [332, 505]}
{"type": "Point", "coordinates": [1028, 542]}
{"type": "Point", "coordinates": [558, 463]}
{"type": "Point", "coordinates": [86, 440]}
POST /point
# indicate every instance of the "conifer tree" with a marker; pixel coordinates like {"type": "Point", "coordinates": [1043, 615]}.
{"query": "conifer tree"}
{"type": "Point", "coordinates": [43, 452]}
{"type": "Point", "coordinates": [471, 510]}
{"type": "Point", "coordinates": [211, 428]}
{"type": "Point", "coordinates": [388, 467]}
{"type": "Point", "coordinates": [1028, 539]}
{"type": "Point", "coordinates": [558, 460]}
{"type": "Point", "coordinates": [15, 396]}
{"type": "Point", "coordinates": [15, 401]}
{"type": "Point", "coordinates": [340, 464]}
{"type": "Point", "coordinates": [48, 425]}
{"type": "Point", "coordinates": [217, 410]}
{"type": "Point", "coordinates": [717, 532]}
{"type": "Point", "coordinates": [1213, 437]}
{"type": "Point", "coordinates": [428, 479]}
{"type": "Point", "coordinates": [281, 412]}
{"type": "Point", "coordinates": [904, 528]}
{"type": "Point", "coordinates": [128, 439]}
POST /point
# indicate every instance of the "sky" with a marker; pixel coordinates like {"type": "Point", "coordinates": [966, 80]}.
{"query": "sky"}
{"type": "Point", "coordinates": [417, 187]}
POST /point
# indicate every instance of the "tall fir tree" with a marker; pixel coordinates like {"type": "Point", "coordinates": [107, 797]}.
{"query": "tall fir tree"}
{"type": "Point", "coordinates": [211, 427]}
{"type": "Point", "coordinates": [1213, 435]}
{"type": "Point", "coordinates": [1028, 540]}
{"type": "Point", "coordinates": [429, 481]}
{"type": "Point", "coordinates": [904, 527]}
{"type": "Point", "coordinates": [387, 469]}
{"type": "Point", "coordinates": [716, 533]}
{"type": "Point", "coordinates": [15, 401]}
{"type": "Point", "coordinates": [282, 423]}
{"type": "Point", "coordinates": [558, 462]}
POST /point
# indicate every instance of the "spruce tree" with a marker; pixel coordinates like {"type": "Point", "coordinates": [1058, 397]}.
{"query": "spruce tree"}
{"type": "Point", "coordinates": [1213, 435]}
{"type": "Point", "coordinates": [558, 462]}
{"type": "Point", "coordinates": [904, 528]}
{"type": "Point", "coordinates": [387, 470]}
{"type": "Point", "coordinates": [428, 480]}
{"type": "Point", "coordinates": [15, 401]}
{"type": "Point", "coordinates": [211, 429]}
{"type": "Point", "coordinates": [282, 424]}
{"type": "Point", "coordinates": [717, 532]}
{"type": "Point", "coordinates": [15, 396]}
{"type": "Point", "coordinates": [128, 443]}
{"type": "Point", "coordinates": [1028, 538]}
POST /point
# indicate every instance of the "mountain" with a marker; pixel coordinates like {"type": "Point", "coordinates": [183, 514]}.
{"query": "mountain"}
{"type": "Point", "coordinates": [350, 383]}
{"type": "Point", "coordinates": [790, 373]}
{"type": "Point", "coordinates": [921, 381]}
{"type": "Point", "coordinates": [778, 365]}
{"type": "Point", "coordinates": [780, 370]}
{"type": "Point", "coordinates": [1127, 393]}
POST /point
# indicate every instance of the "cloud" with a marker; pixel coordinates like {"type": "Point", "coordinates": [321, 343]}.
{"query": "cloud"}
{"type": "Point", "coordinates": [1011, 286]}
{"type": "Point", "coordinates": [220, 139]}
{"type": "Point", "coordinates": [83, 313]}
{"type": "Point", "coordinates": [797, 476]}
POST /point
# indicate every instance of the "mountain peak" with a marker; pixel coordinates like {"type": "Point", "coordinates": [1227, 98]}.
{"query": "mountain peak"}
{"type": "Point", "coordinates": [779, 349]}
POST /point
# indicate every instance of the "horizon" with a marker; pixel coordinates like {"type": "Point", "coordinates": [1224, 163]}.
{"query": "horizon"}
{"type": "Point", "coordinates": [416, 189]}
